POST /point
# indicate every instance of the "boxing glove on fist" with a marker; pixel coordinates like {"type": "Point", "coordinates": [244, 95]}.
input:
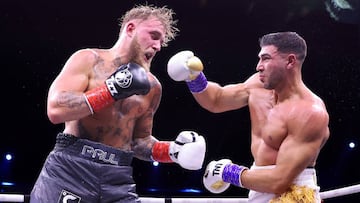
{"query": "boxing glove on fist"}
{"type": "Point", "coordinates": [127, 80]}
{"type": "Point", "coordinates": [212, 178]}
{"type": "Point", "coordinates": [188, 150]}
{"type": "Point", "coordinates": [220, 174]}
{"type": "Point", "coordinates": [184, 66]}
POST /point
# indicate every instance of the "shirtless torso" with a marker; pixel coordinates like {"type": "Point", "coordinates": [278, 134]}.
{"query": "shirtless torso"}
{"type": "Point", "coordinates": [114, 126]}
{"type": "Point", "coordinates": [274, 121]}
{"type": "Point", "coordinates": [119, 124]}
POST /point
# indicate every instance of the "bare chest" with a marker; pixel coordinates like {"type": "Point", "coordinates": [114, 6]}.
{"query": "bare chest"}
{"type": "Point", "coordinates": [273, 129]}
{"type": "Point", "coordinates": [269, 125]}
{"type": "Point", "coordinates": [116, 124]}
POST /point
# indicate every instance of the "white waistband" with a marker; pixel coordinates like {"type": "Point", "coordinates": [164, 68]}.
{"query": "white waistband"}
{"type": "Point", "coordinates": [306, 174]}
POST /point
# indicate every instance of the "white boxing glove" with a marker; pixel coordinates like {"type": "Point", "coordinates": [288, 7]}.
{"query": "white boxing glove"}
{"type": "Point", "coordinates": [188, 150]}
{"type": "Point", "coordinates": [184, 66]}
{"type": "Point", "coordinates": [220, 174]}
{"type": "Point", "coordinates": [212, 178]}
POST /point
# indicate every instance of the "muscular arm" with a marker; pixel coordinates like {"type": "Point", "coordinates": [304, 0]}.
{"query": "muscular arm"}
{"type": "Point", "coordinates": [307, 132]}
{"type": "Point", "coordinates": [143, 140]}
{"type": "Point", "coordinates": [65, 98]}
{"type": "Point", "coordinates": [217, 99]}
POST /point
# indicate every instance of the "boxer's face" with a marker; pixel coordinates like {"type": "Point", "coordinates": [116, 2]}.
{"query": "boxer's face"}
{"type": "Point", "coordinates": [147, 40]}
{"type": "Point", "coordinates": [271, 66]}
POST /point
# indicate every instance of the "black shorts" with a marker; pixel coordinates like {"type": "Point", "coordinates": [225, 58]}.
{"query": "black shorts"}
{"type": "Point", "coordinates": [79, 170]}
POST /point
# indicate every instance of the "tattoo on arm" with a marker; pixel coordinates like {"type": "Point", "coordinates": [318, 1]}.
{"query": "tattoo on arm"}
{"type": "Point", "coordinates": [155, 102]}
{"type": "Point", "coordinates": [70, 100]}
{"type": "Point", "coordinates": [142, 147]}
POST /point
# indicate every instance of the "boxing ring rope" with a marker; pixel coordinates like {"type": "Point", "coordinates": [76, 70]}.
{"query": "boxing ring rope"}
{"type": "Point", "coordinates": [324, 195]}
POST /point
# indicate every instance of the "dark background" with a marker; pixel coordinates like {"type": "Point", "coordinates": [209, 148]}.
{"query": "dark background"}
{"type": "Point", "coordinates": [37, 37]}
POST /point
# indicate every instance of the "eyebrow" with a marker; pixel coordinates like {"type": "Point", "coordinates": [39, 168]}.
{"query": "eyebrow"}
{"type": "Point", "coordinates": [158, 36]}
{"type": "Point", "coordinates": [263, 55]}
{"type": "Point", "coordinates": [270, 54]}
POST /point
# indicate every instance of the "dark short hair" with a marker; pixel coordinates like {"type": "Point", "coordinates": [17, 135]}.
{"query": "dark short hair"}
{"type": "Point", "coordinates": [286, 42]}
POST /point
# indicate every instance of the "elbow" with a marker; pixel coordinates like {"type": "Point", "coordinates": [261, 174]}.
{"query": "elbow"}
{"type": "Point", "coordinates": [54, 118]}
{"type": "Point", "coordinates": [280, 187]}
{"type": "Point", "coordinates": [212, 108]}
{"type": "Point", "coordinates": [215, 111]}
{"type": "Point", "coordinates": [54, 112]}
{"type": "Point", "coordinates": [54, 115]}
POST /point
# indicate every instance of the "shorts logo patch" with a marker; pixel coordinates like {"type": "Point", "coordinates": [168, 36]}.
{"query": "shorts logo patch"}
{"type": "Point", "coordinates": [99, 154]}
{"type": "Point", "coordinates": [68, 197]}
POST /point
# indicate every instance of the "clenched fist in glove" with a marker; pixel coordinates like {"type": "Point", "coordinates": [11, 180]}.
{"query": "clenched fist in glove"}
{"type": "Point", "coordinates": [127, 80]}
{"type": "Point", "coordinates": [185, 66]}
{"type": "Point", "coordinates": [188, 150]}
{"type": "Point", "coordinates": [220, 174]}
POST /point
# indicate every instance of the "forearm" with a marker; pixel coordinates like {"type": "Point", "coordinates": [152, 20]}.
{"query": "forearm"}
{"type": "Point", "coordinates": [220, 174]}
{"type": "Point", "coordinates": [65, 106]}
{"type": "Point", "coordinates": [142, 147]}
{"type": "Point", "coordinates": [265, 180]}
{"type": "Point", "coordinates": [188, 150]}
{"type": "Point", "coordinates": [217, 99]}
{"type": "Point", "coordinates": [208, 99]}
{"type": "Point", "coordinates": [150, 149]}
{"type": "Point", "coordinates": [153, 150]}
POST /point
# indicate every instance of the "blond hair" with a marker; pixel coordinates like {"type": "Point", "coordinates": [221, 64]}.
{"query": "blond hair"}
{"type": "Point", "coordinates": [163, 14]}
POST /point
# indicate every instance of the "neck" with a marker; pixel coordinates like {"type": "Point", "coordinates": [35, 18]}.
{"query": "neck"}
{"type": "Point", "coordinates": [288, 91]}
{"type": "Point", "coordinates": [119, 51]}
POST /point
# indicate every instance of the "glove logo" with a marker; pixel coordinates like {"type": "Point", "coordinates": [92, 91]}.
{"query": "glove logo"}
{"type": "Point", "coordinates": [123, 78]}
{"type": "Point", "coordinates": [68, 197]}
{"type": "Point", "coordinates": [176, 154]}
{"type": "Point", "coordinates": [217, 168]}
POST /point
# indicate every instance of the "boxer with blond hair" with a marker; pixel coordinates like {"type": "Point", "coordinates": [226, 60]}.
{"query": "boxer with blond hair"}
{"type": "Point", "coordinates": [107, 99]}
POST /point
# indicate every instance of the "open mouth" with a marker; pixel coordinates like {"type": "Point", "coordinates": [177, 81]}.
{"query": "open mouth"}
{"type": "Point", "coordinates": [148, 56]}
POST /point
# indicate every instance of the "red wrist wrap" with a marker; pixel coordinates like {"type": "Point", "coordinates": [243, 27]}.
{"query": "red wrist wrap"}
{"type": "Point", "coordinates": [160, 152]}
{"type": "Point", "coordinates": [99, 98]}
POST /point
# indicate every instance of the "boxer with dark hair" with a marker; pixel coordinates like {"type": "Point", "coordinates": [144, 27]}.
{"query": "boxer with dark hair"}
{"type": "Point", "coordinates": [289, 122]}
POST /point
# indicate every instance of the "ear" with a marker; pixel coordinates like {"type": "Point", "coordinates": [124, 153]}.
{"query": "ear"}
{"type": "Point", "coordinates": [130, 27]}
{"type": "Point", "coordinates": [291, 60]}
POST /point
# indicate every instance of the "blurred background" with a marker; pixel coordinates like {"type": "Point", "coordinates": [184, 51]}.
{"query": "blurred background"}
{"type": "Point", "coordinates": [37, 37]}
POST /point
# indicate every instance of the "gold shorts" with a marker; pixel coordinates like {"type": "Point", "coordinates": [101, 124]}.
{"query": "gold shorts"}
{"type": "Point", "coordinates": [296, 194]}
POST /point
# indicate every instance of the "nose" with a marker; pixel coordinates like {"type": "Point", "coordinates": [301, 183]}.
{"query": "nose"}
{"type": "Point", "coordinates": [259, 67]}
{"type": "Point", "coordinates": [157, 45]}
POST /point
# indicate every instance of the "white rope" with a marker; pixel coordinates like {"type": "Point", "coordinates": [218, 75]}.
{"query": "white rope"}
{"type": "Point", "coordinates": [208, 200]}
{"type": "Point", "coordinates": [151, 200]}
{"type": "Point", "coordinates": [193, 200]}
{"type": "Point", "coordinates": [324, 195]}
{"type": "Point", "coordinates": [12, 198]}
{"type": "Point", "coordinates": [340, 192]}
